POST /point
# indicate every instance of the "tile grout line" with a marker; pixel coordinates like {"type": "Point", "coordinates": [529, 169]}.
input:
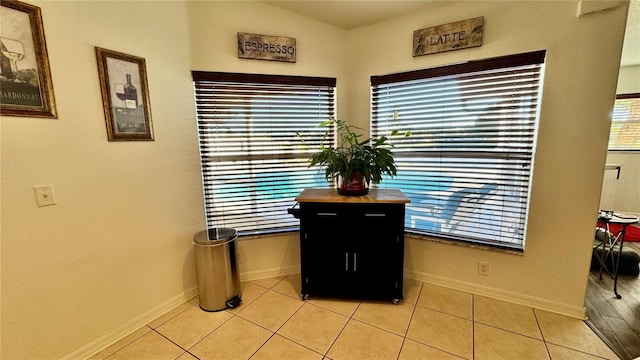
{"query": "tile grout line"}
{"type": "Point", "coordinates": [217, 327]}
{"type": "Point", "coordinates": [186, 351]}
{"type": "Point", "coordinates": [170, 310]}
{"type": "Point", "coordinates": [331, 310]}
{"type": "Point", "coordinates": [376, 327]}
{"type": "Point", "coordinates": [319, 307]}
{"type": "Point", "coordinates": [509, 331]}
{"type": "Point", "coordinates": [421, 292]}
{"type": "Point", "coordinates": [209, 333]}
{"type": "Point", "coordinates": [273, 333]}
{"type": "Point", "coordinates": [406, 332]}
{"type": "Point", "coordinates": [547, 342]}
{"type": "Point", "coordinates": [290, 317]}
{"type": "Point", "coordinates": [122, 347]}
{"type": "Point", "coordinates": [544, 341]}
{"type": "Point", "coordinates": [438, 311]}
{"type": "Point", "coordinates": [444, 312]}
{"type": "Point", "coordinates": [473, 326]}
{"type": "Point", "coordinates": [349, 318]}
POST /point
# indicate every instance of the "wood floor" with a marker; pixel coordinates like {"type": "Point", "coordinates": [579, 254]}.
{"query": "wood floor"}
{"type": "Point", "coordinates": [617, 321]}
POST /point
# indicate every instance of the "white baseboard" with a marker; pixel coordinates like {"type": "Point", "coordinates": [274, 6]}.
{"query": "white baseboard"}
{"type": "Point", "coordinates": [142, 320]}
{"type": "Point", "coordinates": [509, 296]}
{"type": "Point", "coordinates": [131, 326]}
{"type": "Point", "coordinates": [268, 273]}
{"type": "Point", "coordinates": [147, 317]}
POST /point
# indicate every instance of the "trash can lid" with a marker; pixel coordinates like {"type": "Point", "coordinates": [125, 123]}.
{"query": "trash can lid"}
{"type": "Point", "coordinates": [215, 235]}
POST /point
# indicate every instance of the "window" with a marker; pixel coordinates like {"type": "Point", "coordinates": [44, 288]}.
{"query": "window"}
{"type": "Point", "coordinates": [253, 164]}
{"type": "Point", "coordinates": [467, 165]}
{"type": "Point", "coordinates": [625, 123]}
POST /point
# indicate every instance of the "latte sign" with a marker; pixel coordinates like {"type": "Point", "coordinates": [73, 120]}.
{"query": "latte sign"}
{"type": "Point", "coordinates": [448, 37]}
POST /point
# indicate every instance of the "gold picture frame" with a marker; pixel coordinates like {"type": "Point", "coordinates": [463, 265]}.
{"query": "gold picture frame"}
{"type": "Point", "coordinates": [125, 96]}
{"type": "Point", "coordinates": [25, 76]}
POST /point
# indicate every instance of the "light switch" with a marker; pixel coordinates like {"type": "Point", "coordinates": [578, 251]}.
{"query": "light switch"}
{"type": "Point", "coordinates": [44, 195]}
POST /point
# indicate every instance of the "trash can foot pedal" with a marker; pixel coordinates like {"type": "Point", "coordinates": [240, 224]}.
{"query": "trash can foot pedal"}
{"type": "Point", "coordinates": [234, 302]}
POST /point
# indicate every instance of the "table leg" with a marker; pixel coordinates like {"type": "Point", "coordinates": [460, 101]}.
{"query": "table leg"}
{"type": "Point", "coordinates": [615, 277]}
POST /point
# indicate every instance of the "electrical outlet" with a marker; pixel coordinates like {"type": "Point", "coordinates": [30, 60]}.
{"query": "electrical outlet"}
{"type": "Point", "coordinates": [483, 268]}
{"type": "Point", "coordinates": [44, 195]}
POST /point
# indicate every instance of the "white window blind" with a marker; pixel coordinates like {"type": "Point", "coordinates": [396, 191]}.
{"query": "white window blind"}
{"type": "Point", "coordinates": [625, 123]}
{"type": "Point", "coordinates": [467, 165]}
{"type": "Point", "coordinates": [253, 163]}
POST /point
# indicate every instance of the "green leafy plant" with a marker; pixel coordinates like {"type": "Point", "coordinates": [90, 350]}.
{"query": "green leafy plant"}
{"type": "Point", "coordinates": [370, 157]}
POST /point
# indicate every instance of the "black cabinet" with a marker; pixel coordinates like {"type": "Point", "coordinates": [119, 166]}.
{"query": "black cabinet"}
{"type": "Point", "coordinates": [352, 247]}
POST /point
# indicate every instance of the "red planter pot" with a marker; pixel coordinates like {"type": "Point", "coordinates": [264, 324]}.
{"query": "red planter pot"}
{"type": "Point", "coordinates": [356, 186]}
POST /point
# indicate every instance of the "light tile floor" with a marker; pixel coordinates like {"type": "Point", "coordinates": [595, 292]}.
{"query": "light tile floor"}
{"type": "Point", "coordinates": [432, 322]}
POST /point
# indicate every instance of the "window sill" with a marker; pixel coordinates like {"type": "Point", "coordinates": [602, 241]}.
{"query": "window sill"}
{"type": "Point", "coordinates": [266, 235]}
{"type": "Point", "coordinates": [464, 243]}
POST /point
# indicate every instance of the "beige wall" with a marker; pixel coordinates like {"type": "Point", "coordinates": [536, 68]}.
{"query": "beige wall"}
{"type": "Point", "coordinates": [623, 194]}
{"type": "Point", "coordinates": [579, 87]}
{"type": "Point", "coordinates": [116, 250]}
{"type": "Point", "coordinates": [321, 51]}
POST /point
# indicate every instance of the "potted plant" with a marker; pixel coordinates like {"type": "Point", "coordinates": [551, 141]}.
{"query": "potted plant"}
{"type": "Point", "coordinates": [354, 163]}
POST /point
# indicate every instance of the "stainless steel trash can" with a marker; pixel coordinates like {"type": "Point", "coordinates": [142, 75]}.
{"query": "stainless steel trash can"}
{"type": "Point", "coordinates": [217, 269]}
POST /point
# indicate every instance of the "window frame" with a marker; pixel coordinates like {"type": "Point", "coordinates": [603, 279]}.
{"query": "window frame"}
{"type": "Point", "coordinates": [636, 117]}
{"type": "Point", "coordinates": [268, 175]}
{"type": "Point", "coordinates": [534, 58]}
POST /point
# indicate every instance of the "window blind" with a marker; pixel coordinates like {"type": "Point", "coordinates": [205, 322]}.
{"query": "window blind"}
{"type": "Point", "coordinates": [467, 165]}
{"type": "Point", "coordinates": [253, 162]}
{"type": "Point", "coordinates": [625, 123]}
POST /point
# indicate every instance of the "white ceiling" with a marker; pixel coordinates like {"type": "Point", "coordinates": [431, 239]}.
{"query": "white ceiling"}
{"type": "Point", "coordinates": [351, 14]}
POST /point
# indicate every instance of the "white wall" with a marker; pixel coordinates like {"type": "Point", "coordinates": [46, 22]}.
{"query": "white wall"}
{"type": "Point", "coordinates": [629, 79]}
{"type": "Point", "coordinates": [116, 249]}
{"type": "Point", "coordinates": [623, 194]}
{"type": "Point", "coordinates": [583, 56]}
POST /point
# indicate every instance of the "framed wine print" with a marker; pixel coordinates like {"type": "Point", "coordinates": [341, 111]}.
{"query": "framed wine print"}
{"type": "Point", "coordinates": [25, 77]}
{"type": "Point", "coordinates": [125, 96]}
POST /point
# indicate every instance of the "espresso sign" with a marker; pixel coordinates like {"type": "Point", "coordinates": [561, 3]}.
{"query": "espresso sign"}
{"type": "Point", "coordinates": [266, 47]}
{"type": "Point", "coordinates": [447, 37]}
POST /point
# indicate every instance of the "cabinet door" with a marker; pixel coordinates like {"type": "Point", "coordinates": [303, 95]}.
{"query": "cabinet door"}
{"type": "Point", "coordinates": [380, 251]}
{"type": "Point", "coordinates": [325, 261]}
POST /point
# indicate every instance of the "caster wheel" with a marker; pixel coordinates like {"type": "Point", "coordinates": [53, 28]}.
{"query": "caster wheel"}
{"type": "Point", "coordinates": [305, 297]}
{"type": "Point", "coordinates": [395, 301]}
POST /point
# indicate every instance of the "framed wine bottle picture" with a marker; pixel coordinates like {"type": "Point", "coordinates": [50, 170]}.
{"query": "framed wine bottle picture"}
{"type": "Point", "coordinates": [25, 77]}
{"type": "Point", "coordinates": [125, 96]}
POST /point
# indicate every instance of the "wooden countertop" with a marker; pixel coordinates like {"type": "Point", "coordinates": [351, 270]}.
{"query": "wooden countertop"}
{"type": "Point", "coordinates": [326, 195]}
